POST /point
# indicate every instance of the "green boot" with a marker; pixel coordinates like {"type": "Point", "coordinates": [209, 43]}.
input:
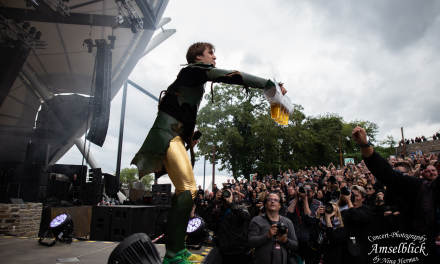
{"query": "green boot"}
{"type": "Point", "coordinates": [179, 257]}
{"type": "Point", "coordinates": [177, 222]}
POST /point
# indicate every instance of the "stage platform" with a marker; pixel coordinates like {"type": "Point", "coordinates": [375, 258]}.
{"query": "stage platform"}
{"type": "Point", "coordinates": [27, 250]}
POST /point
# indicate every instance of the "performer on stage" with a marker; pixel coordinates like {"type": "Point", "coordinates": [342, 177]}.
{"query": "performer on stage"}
{"type": "Point", "coordinates": [164, 149]}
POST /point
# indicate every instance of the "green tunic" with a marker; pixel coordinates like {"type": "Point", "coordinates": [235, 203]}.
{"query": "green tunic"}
{"type": "Point", "coordinates": [152, 153]}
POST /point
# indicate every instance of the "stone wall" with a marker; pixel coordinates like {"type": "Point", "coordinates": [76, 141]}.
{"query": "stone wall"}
{"type": "Point", "coordinates": [426, 147]}
{"type": "Point", "coordinates": [20, 219]}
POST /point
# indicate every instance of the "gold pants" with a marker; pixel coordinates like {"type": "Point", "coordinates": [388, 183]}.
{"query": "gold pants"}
{"type": "Point", "coordinates": [179, 167]}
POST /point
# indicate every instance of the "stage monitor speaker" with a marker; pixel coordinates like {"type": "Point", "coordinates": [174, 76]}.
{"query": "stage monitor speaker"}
{"type": "Point", "coordinates": [37, 153]}
{"type": "Point", "coordinates": [13, 59]}
{"type": "Point", "coordinates": [161, 188]}
{"type": "Point", "coordinates": [160, 198]}
{"type": "Point", "coordinates": [101, 223]}
{"type": "Point", "coordinates": [114, 223]}
{"type": "Point", "coordinates": [102, 96]}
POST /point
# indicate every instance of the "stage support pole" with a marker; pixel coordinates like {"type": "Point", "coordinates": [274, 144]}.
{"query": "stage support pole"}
{"type": "Point", "coordinates": [121, 131]}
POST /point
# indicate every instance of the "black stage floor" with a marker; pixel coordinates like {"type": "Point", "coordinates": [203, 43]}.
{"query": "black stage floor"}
{"type": "Point", "coordinates": [27, 250]}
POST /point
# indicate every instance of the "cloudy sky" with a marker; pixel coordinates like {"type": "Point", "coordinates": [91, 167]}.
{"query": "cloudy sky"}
{"type": "Point", "coordinates": [370, 60]}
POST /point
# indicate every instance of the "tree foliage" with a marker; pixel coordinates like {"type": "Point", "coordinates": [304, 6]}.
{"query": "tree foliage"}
{"type": "Point", "coordinates": [249, 141]}
{"type": "Point", "coordinates": [130, 175]}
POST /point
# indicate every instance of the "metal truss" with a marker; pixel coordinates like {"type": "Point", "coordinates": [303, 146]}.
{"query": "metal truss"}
{"type": "Point", "coordinates": [13, 34]}
{"type": "Point", "coordinates": [128, 10]}
{"type": "Point", "coordinates": [58, 5]}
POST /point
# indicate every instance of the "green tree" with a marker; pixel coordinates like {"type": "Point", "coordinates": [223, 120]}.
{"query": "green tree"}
{"type": "Point", "coordinates": [130, 175]}
{"type": "Point", "coordinates": [148, 180]}
{"type": "Point", "coordinates": [248, 140]}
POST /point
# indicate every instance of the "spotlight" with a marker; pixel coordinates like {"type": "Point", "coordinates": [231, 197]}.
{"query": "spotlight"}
{"type": "Point", "coordinates": [89, 44]}
{"type": "Point", "coordinates": [61, 228]}
{"type": "Point", "coordinates": [197, 233]}
{"type": "Point", "coordinates": [136, 248]}
{"type": "Point", "coordinates": [26, 25]}
{"type": "Point", "coordinates": [38, 35]}
{"type": "Point", "coordinates": [32, 30]}
{"type": "Point", "coordinates": [120, 19]}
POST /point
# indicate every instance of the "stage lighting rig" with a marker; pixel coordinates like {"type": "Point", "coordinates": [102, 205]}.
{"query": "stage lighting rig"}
{"type": "Point", "coordinates": [129, 12]}
{"type": "Point", "coordinates": [58, 5]}
{"type": "Point", "coordinates": [17, 35]}
{"type": "Point", "coordinates": [61, 228]}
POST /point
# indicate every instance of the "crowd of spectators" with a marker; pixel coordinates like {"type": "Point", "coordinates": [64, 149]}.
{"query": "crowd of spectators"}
{"type": "Point", "coordinates": [407, 141]}
{"type": "Point", "coordinates": [352, 192]}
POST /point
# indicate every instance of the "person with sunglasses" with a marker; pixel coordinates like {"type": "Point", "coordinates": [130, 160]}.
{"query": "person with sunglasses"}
{"type": "Point", "coordinates": [378, 186]}
{"type": "Point", "coordinates": [371, 196]}
{"type": "Point", "coordinates": [271, 245]}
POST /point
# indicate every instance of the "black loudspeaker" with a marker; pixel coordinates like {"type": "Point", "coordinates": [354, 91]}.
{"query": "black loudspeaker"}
{"type": "Point", "coordinates": [95, 175]}
{"type": "Point", "coordinates": [161, 188]}
{"type": "Point", "coordinates": [25, 181]}
{"type": "Point", "coordinates": [100, 224]}
{"type": "Point", "coordinates": [91, 193]}
{"type": "Point", "coordinates": [160, 198]}
{"type": "Point", "coordinates": [102, 97]}
{"type": "Point", "coordinates": [114, 223]}
{"type": "Point", "coordinates": [13, 59]}
{"type": "Point", "coordinates": [33, 183]}
{"type": "Point", "coordinates": [37, 153]}
{"type": "Point", "coordinates": [159, 222]}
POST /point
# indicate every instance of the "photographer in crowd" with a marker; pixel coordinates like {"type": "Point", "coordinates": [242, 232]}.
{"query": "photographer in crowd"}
{"type": "Point", "coordinates": [229, 223]}
{"type": "Point", "coordinates": [302, 212]}
{"type": "Point", "coordinates": [328, 234]}
{"type": "Point", "coordinates": [272, 234]}
{"type": "Point", "coordinates": [357, 220]}
{"type": "Point", "coordinates": [422, 195]}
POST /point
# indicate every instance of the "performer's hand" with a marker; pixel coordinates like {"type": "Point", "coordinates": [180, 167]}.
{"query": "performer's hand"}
{"type": "Point", "coordinates": [283, 90]}
{"type": "Point", "coordinates": [195, 142]}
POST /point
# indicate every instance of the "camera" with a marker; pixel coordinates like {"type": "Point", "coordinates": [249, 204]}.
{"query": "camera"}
{"type": "Point", "coordinates": [282, 229]}
{"type": "Point", "coordinates": [303, 190]}
{"type": "Point", "coordinates": [328, 208]}
{"type": "Point", "coordinates": [345, 191]}
{"type": "Point", "coordinates": [226, 194]}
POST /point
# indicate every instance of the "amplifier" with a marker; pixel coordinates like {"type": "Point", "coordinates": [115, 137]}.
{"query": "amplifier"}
{"type": "Point", "coordinates": [162, 188]}
{"type": "Point", "coordinates": [159, 198]}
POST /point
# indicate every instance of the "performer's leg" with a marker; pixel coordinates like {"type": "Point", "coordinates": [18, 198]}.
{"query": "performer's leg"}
{"type": "Point", "coordinates": [179, 167]}
{"type": "Point", "coordinates": [180, 171]}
